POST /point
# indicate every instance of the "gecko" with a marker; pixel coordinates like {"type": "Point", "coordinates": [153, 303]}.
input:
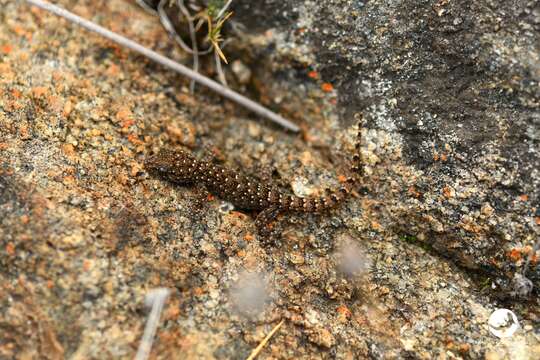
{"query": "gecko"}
{"type": "Point", "coordinates": [244, 192]}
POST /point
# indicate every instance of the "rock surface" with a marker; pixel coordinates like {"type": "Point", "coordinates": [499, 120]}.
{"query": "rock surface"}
{"type": "Point", "coordinates": [446, 216]}
{"type": "Point", "coordinates": [452, 88]}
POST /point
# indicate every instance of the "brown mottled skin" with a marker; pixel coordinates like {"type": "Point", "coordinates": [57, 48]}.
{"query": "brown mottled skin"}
{"type": "Point", "coordinates": [181, 167]}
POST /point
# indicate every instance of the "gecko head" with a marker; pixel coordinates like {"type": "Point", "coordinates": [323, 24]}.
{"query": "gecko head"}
{"type": "Point", "coordinates": [172, 165]}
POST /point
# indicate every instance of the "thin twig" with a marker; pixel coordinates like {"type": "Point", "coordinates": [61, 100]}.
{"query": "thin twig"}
{"type": "Point", "coordinates": [194, 45]}
{"type": "Point", "coordinates": [166, 23]}
{"type": "Point", "coordinates": [145, 6]}
{"type": "Point", "coordinates": [173, 65]}
{"type": "Point", "coordinates": [223, 9]}
{"type": "Point", "coordinates": [169, 27]}
{"type": "Point", "coordinates": [258, 349]}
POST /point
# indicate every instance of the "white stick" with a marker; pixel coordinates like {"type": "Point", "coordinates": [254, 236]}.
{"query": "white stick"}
{"type": "Point", "coordinates": [173, 65]}
{"type": "Point", "coordinates": [155, 299]}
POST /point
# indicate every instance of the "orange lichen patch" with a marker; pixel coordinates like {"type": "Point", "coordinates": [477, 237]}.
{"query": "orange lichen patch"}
{"type": "Point", "coordinates": [308, 137]}
{"type": "Point", "coordinates": [524, 197]}
{"type": "Point", "coordinates": [470, 227]}
{"type": "Point", "coordinates": [10, 249]}
{"type": "Point", "coordinates": [515, 254]}
{"type": "Point", "coordinates": [68, 108]}
{"type": "Point", "coordinates": [87, 265]}
{"type": "Point", "coordinates": [119, 52]}
{"type": "Point", "coordinates": [458, 347]}
{"type": "Point", "coordinates": [15, 93]}
{"type": "Point", "coordinates": [186, 99]}
{"type": "Point", "coordinates": [184, 134]}
{"type": "Point", "coordinates": [135, 169]}
{"type": "Point", "coordinates": [413, 192]}
{"type": "Point", "coordinates": [113, 70]}
{"type": "Point", "coordinates": [55, 104]}
{"type": "Point", "coordinates": [24, 132]}
{"type": "Point", "coordinates": [6, 72]}
{"type": "Point", "coordinates": [241, 253]}
{"type": "Point", "coordinates": [313, 74]}
{"type": "Point", "coordinates": [23, 57]}
{"type": "Point", "coordinates": [68, 180]}
{"type": "Point", "coordinates": [24, 237]}
{"type": "Point", "coordinates": [494, 262]}
{"type": "Point", "coordinates": [198, 291]}
{"type": "Point", "coordinates": [448, 192]}
{"type": "Point", "coordinates": [19, 30]}
{"type": "Point", "coordinates": [342, 178]}
{"type": "Point", "coordinates": [327, 87]}
{"type": "Point", "coordinates": [124, 114]}
{"type": "Point", "coordinates": [175, 132]}
{"type": "Point", "coordinates": [122, 179]}
{"type": "Point", "coordinates": [57, 75]}
{"type": "Point", "coordinates": [86, 86]}
{"type": "Point", "coordinates": [134, 139]}
{"type": "Point", "coordinates": [6, 49]}
{"type": "Point", "coordinates": [248, 237]}
{"type": "Point", "coordinates": [436, 156]}
{"type": "Point", "coordinates": [25, 219]}
{"type": "Point", "coordinates": [525, 252]}
{"type": "Point", "coordinates": [49, 284]}
{"type": "Point", "coordinates": [444, 157]}
{"type": "Point", "coordinates": [7, 172]}
{"type": "Point", "coordinates": [94, 132]}
{"type": "Point", "coordinates": [251, 262]}
{"type": "Point", "coordinates": [464, 348]}
{"type": "Point", "coordinates": [344, 312]}
{"type": "Point", "coordinates": [238, 215]}
{"type": "Point", "coordinates": [39, 91]}
{"type": "Point", "coordinates": [14, 105]}
{"type": "Point", "coordinates": [69, 150]}
{"type": "Point", "coordinates": [127, 123]}
{"type": "Point", "coordinates": [172, 313]}
{"type": "Point", "coordinates": [3, 146]}
{"type": "Point", "coordinates": [375, 225]}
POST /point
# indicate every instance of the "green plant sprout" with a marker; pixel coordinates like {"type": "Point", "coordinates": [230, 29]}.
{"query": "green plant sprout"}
{"type": "Point", "coordinates": [200, 16]}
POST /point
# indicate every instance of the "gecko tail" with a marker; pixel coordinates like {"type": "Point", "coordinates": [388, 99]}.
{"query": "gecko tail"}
{"type": "Point", "coordinates": [331, 198]}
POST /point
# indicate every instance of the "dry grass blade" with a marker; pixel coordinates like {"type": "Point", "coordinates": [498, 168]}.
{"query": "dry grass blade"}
{"type": "Point", "coordinates": [214, 35]}
{"type": "Point", "coordinates": [258, 349]}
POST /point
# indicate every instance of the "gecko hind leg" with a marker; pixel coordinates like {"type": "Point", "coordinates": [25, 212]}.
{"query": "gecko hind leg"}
{"type": "Point", "coordinates": [265, 222]}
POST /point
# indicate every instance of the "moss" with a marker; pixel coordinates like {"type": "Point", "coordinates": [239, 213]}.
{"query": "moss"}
{"type": "Point", "coordinates": [411, 239]}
